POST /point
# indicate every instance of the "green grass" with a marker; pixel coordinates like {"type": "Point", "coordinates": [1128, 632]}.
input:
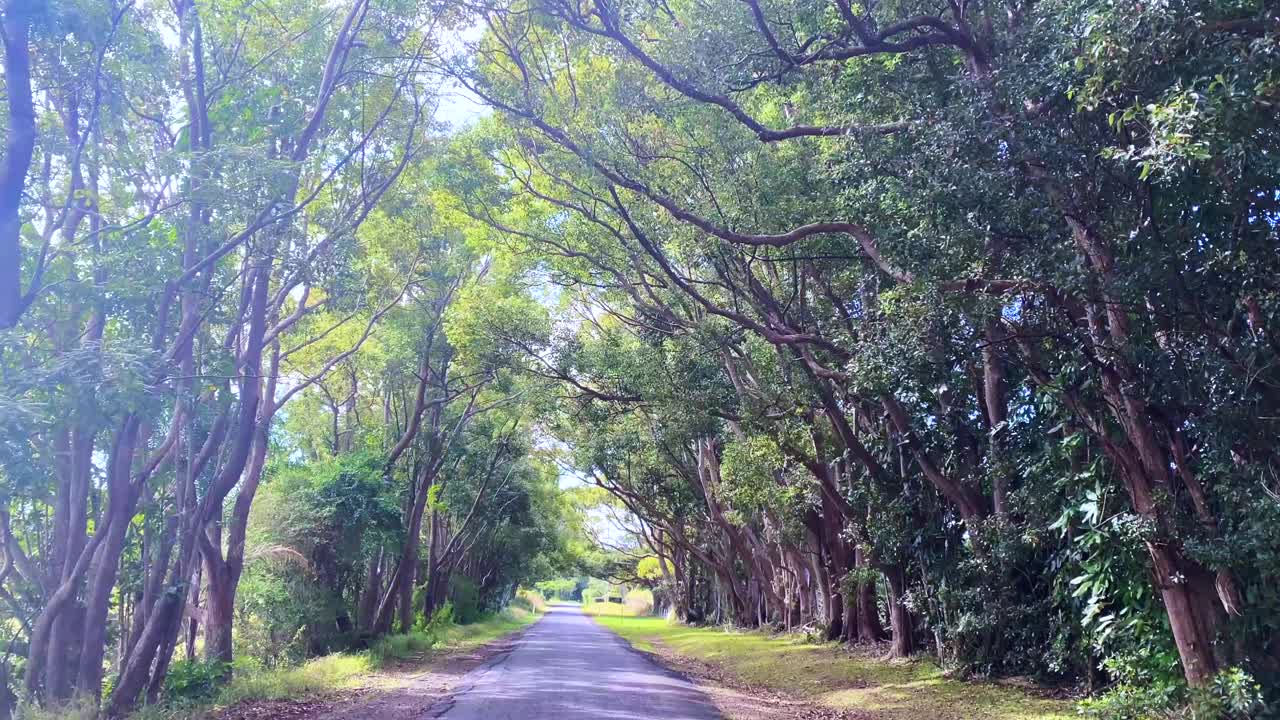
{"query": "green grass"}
{"type": "Point", "coordinates": [340, 671]}
{"type": "Point", "coordinates": [492, 628]}
{"type": "Point", "coordinates": [324, 675]}
{"type": "Point", "coordinates": [889, 689]}
{"type": "Point", "coordinates": [318, 677]}
{"type": "Point", "coordinates": [451, 637]}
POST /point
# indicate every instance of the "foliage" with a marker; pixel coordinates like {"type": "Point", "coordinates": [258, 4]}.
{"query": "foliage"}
{"type": "Point", "coordinates": [529, 601]}
{"type": "Point", "coordinates": [464, 601]}
{"type": "Point", "coordinates": [191, 681]}
{"type": "Point", "coordinates": [1232, 695]}
{"type": "Point", "coordinates": [959, 335]}
{"type": "Point", "coordinates": [562, 588]}
{"type": "Point", "coordinates": [311, 529]}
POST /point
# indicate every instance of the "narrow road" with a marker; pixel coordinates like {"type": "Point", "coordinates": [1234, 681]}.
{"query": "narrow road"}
{"type": "Point", "coordinates": [566, 667]}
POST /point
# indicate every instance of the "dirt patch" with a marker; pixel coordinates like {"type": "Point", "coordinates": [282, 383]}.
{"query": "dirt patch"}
{"type": "Point", "coordinates": [264, 709]}
{"type": "Point", "coordinates": [739, 700]}
{"type": "Point", "coordinates": [405, 691]}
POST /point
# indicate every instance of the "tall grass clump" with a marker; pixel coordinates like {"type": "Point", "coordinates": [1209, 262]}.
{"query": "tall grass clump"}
{"type": "Point", "coordinates": [401, 647]}
{"type": "Point", "coordinates": [529, 601]}
{"type": "Point", "coordinates": [331, 672]}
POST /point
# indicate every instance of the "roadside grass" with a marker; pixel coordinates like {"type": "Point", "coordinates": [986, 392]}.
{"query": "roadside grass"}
{"type": "Point", "coordinates": [340, 671]}
{"type": "Point", "coordinates": [508, 621]}
{"type": "Point", "coordinates": [314, 678]}
{"type": "Point", "coordinates": [895, 690]}
{"type": "Point", "coordinates": [320, 676]}
{"type": "Point", "coordinates": [451, 637]}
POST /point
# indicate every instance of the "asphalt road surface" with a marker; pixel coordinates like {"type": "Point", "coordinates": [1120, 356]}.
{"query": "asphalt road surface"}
{"type": "Point", "coordinates": [566, 667]}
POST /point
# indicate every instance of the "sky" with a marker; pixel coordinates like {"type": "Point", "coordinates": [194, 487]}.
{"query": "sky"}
{"type": "Point", "coordinates": [458, 107]}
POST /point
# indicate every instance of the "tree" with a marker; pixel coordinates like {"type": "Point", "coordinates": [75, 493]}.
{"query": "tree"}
{"type": "Point", "coordinates": [955, 239]}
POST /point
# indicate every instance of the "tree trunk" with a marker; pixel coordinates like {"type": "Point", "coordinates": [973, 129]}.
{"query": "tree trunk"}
{"type": "Point", "coordinates": [55, 606]}
{"type": "Point", "coordinates": [64, 639]}
{"type": "Point", "coordinates": [994, 400]}
{"type": "Point", "coordinates": [904, 642]}
{"type": "Point", "coordinates": [224, 575]}
{"type": "Point", "coordinates": [102, 574]}
{"type": "Point", "coordinates": [400, 593]}
{"type": "Point", "coordinates": [19, 148]}
{"type": "Point", "coordinates": [869, 628]}
{"type": "Point", "coordinates": [1192, 619]}
{"type": "Point", "coordinates": [193, 622]}
{"type": "Point", "coordinates": [219, 611]}
{"type": "Point", "coordinates": [851, 625]}
{"type": "Point", "coordinates": [835, 612]}
{"type": "Point", "coordinates": [372, 591]}
{"type": "Point", "coordinates": [133, 677]}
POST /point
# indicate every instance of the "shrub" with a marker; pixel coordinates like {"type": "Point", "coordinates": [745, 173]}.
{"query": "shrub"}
{"type": "Point", "coordinates": [638, 602]}
{"type": "Point", "coordinates": [1133, 702]}
{"type": "Point", "coordinates": [312, 529]}
{"type": "Point", "coordinates": [530, 601]}
{"type": "Point", "coordinates": [401, 647]}
{"type": "Point", "coordinates": [1233, 695]}
{"type": "Point", "coordinates": [195, 680]}
{"type": "Point", "coordinates": [426, 634]}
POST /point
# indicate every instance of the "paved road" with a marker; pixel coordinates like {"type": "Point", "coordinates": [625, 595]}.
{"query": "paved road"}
{"type": "Point", "coordinates": [566, 667]}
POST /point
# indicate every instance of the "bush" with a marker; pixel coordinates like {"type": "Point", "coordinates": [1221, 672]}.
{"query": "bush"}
{"type": "Point", "coordinates": [311, 530]}
{"type": "Point", "coordinates": [530, 601]}
{"type": "Point", "coordinates": [638, 602]}
{"type": "Point", "coordinates": [401, 647]}
{"type": "Point", "coordinates": [426, 635]}
{"type": "Point", "coordinates": [1233, 695]}
{"type": "Point", "coordinates": [195, 680]}
{"type": "Point", "coordinates": [596, 588]}
{"type": "Point", "coordinates": [1131, 702]}
{"type": "Point", "coordinates": [559, 589]}
{"type": "Point", "coordinates": [442, 618]}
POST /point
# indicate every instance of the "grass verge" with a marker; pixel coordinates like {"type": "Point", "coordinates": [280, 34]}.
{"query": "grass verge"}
{"type": "Point", "coordinates": [321, 676]}
{"type": "Point", "coordinates": [451, 637]}
{"type": "Point", "coordinates": [829, 676]}
{"type": "Point", "coordinates": [344, 671]}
